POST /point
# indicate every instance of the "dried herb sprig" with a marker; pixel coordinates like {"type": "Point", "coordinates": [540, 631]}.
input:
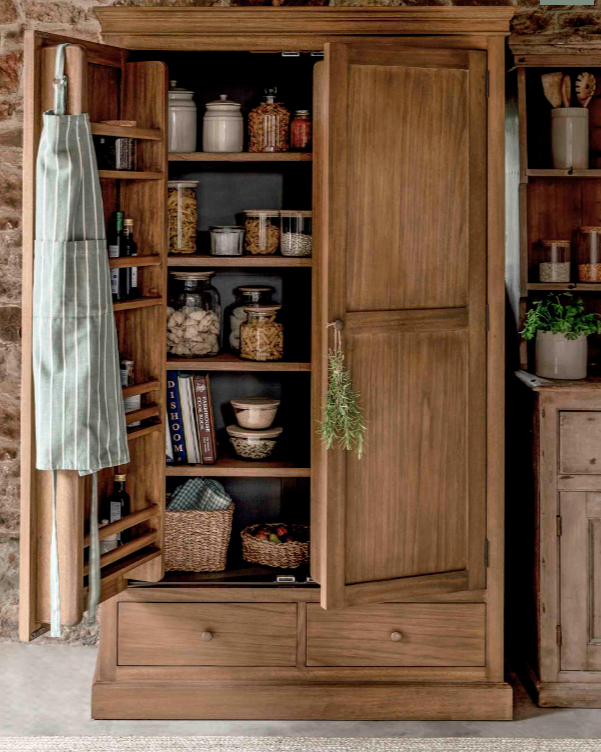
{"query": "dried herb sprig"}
{"type": "Point", "coordinates": [342, 417]}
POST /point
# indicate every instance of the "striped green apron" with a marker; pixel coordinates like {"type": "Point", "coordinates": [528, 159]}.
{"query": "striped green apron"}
{"type": "Point", "coordinates": [79, 413]}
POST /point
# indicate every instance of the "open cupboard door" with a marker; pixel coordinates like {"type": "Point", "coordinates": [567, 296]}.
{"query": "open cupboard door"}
{"type": "Point", "coordinates": [103, 83]}
{"type": "Point", "coordinates": [400, 201]}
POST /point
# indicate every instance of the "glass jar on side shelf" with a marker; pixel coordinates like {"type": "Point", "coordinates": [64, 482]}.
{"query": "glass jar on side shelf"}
{"type": "Point", "coordinates": [182, 212]}
{"type": "Point", "coordinates": [193, 315]}
{"type": "Point", "coordinates": [261, 231]}
{"type": "Point", "coordinates": [555, 261]}
{"type": "Point", "coordinates": [236, 314]}
{"type": "Point", "coordinates": [295, 237]}
{"type": "Point", "coordinates": [261, 335]}
{"type": "Point", "coordinates": [589, 254]}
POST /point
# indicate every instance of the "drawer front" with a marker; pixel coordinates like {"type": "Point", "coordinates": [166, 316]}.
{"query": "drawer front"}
{"type": "Point", "coordinates": [397, 634]}
{"type": "Point", "coordinates": [580, 442]}
{"type": "Point", "coordinates": [207, 634]}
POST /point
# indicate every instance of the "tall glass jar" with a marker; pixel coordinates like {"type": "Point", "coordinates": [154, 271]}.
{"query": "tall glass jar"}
{"type": "Point", "coordinates": [555, 261]}
{"type": "Point", "coordinates": [193, 315]}
{"type": "Point", "coordinates": [182, 214]}
{"type": "Point", "coordinates": [261, 231]}
{"type": "Point", "coordinates": [261, 335]}
{"type": "Point", "coordinates": [235, 314]}
{"type": "Point", "coordinates": [589, 254]}
{"type": "Point", "coordinates": [269, 125]}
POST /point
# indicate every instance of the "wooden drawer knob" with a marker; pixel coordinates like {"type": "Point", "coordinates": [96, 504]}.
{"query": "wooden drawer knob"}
{"type": "Point", "coordinates": [207, 636]}
{"type": "Point", "coordinates": [396, 636]}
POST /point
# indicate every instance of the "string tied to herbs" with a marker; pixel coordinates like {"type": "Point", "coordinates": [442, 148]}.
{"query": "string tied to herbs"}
{"type": "Point", "coordinates": [342, 415]}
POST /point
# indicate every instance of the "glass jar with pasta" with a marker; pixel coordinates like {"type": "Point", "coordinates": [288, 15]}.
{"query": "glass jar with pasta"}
{"type": "Point", "coordinates": [261, 335]}
{"type": "Point", "coordinates": [261, 231]}
{"type": "Point", "coordinates": [182, 211]}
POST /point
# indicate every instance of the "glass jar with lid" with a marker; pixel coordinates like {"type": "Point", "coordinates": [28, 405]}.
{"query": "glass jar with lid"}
{"type": "Point", "coordinates": [589, 254]}
{"type": "Point", "coordinates": [182, 215]}
{"type": "Point", "coordinates": [300, 131]}
{"type": "Point", "coordinates": [554, 265]}
{"type": "Point", "coordinates": [261, 335]}
{"type": "Point", "coordinates": [235, 313]}
{"type": "Point", "coordinates": [193, 315]}
{"type": "Point", "coordinates": [295, 233]}
{"type": "Point", "coordinates": [269, 125]}
{"type": "Point", "coordinates": [261, 231]}
{"type": "Point", "coordinates": [223, 126]}
{"type": "Point", "coordinates": [227, 240]}
{"type": "Point", "coordinates": [181, 124]}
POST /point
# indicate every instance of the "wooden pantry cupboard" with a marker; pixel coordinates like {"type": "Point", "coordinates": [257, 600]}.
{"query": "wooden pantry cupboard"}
{"type": "Point", "coordinates": [402, 614]}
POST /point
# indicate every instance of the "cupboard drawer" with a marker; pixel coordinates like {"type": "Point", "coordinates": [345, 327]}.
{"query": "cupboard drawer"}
{"type": "Point", "coordinates": [397, 634]}
{"type": "Point", "coordinates": [207, 634]}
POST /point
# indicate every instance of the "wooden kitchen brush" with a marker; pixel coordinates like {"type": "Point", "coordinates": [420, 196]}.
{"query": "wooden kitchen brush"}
{"type": "Point", "coordinates": [585, 88]}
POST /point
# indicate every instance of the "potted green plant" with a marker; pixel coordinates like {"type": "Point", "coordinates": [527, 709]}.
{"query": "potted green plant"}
{"type": "Point", "coordinates": [561, 329]}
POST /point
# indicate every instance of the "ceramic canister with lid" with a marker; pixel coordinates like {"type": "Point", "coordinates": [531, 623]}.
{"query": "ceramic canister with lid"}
{"type": "Point", "coordinates": [223, 127]}
{"type": "Point", "coordinates": [182, 126]}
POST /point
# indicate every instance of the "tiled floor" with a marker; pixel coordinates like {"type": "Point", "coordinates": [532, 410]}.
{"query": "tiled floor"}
{"type": "Point", "coordinates": [45, 691]}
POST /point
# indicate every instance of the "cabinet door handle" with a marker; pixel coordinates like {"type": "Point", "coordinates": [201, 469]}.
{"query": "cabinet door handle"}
{"type": "Point", "coordinates": [396, 636]}
{"type": "Point", "coordinates": [207, 636]}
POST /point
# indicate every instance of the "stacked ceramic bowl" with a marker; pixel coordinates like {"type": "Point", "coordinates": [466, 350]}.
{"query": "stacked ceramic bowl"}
{"type": "Point", "coordinates": [255, 437]}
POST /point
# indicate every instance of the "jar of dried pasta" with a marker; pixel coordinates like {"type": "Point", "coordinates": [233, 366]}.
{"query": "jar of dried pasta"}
{"type": "Point", "coordinates": [261, 335]}
{"type": "Point", "coordinates": [269, 125]}
{"type": "Point", "coordinates": [182, 211]}
{"type": "Point", "coordinates": [261, 231]}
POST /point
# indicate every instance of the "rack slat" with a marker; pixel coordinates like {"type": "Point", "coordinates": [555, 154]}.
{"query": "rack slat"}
{"type": "Point", "coordinates": [124, 131]}
{"type": "Point", "coordinates": [128, 305]}
{"type": "Point", "coordinates": [125, 522]}
{"type": "Point", "coordinates": [142, 388]}
{"type": "Point", "coordinates": [148, 411]}
{"type": "Point", "coordinates": [137, 433]}
{"type": "Point", "coordinates": [127, 548]}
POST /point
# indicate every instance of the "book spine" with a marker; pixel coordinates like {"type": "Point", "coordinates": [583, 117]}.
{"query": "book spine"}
{"type": "Point", "coordinates": [203, 410]}
{"type": "Point", "coordinates": [168, 442]}
{"type": "Point", "coordinates": [211, 418]}
{"type": "Point", "coordinates": [186, 392]}
{"type": "Point", "coordinates": [174, 411]}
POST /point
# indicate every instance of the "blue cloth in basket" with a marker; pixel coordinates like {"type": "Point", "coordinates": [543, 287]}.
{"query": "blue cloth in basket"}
{"type": "Point", "coordinates": [199, 495]}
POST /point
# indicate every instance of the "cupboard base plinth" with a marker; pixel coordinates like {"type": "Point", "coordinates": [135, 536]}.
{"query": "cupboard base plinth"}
{"type": "Point", "coordinates": [561, 694]}
{"type": "Point", "coordinates": [315, 701]}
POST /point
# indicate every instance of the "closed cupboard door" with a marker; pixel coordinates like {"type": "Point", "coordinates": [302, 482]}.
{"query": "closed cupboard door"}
{"type": "Point", "coordinates": [103, 83]}
{"type": "Point", "coordinates": [400, 188]}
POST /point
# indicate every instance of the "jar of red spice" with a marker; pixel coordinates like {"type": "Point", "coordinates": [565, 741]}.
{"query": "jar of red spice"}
{"type": "Point", "coordinates": [300, 131]}
{"type": "Point", "coordinates": [589, 254]}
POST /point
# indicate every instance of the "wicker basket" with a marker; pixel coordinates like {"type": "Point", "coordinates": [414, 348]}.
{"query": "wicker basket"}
{"type": "Point", "coordinates": [197, 541]}
{"type": "Point", "coordinates": [283, 555]}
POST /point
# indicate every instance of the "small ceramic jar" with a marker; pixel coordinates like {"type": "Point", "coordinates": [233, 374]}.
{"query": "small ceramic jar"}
{"type": "Point", "coordinates": [223, 127]}
{"type": "Point", "coordinates": [182, 126]}
{"type": "Point", "coordinates": [254, 445]}
{"type": "Point", "coordinates": [569, 137]}
{"type": "Point", "coordinates": [255, 412]}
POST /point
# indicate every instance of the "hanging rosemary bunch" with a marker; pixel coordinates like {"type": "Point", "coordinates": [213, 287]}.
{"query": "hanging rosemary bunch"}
{"type": "Point", "coordinates": [342, 417]}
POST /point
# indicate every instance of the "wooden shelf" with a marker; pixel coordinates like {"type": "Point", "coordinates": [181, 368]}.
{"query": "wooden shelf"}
{"type": "Point", "coordinates": [137, 433]}
{"type": "Point", "coordinates": [124, 131]}
{"type": "Point", "coordinates": [130, 175]}
{"type": "Point", "coordinates": [578, 286]}
{"type": "Point", "coordinates": [242, 572]}
{"type": "Point", "coordinates": [148, 411]}
{"type": "Point", "coordinates": [125, 522]}
{"type": "Point", "coordinates": [243, 156]}
{"type": "Point", "coordinates": [229, 362]}
{"type": "Point", "coordinates": [126, 261]}
{"type": "Point", "coordinates": [248, 261]}
{"type": "Point", "coordinates": [128, 305]}
{"type": "Point", "coordinates": [241, 469]}
{"type": "Point", "coordinates": [563, 173]}
{"type": "Point", "coordinates": [142, 388]}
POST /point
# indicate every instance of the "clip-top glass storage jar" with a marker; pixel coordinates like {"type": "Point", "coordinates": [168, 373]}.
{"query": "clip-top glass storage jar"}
{"type": "Point", "coordinates": [193, 315]}
{"type": "Point", "coordinates": [261, 335]}
{"type": "Point", "coordinates": [182, 124]}
{"type": "Point", "coordinates": [295, 236]}
{"type": "Point", "coordinates": [235, 313]}
{"type": "Point", "coordinates": [182, 215]}
{"type": "Point", "coordinates": [555, 261]}
{"type": "Point", "coordinates": [589, 254]}
{"type": "Point", "coordinates": [269, 125]}
{"type": "Point", "coordinates": [262, 231]}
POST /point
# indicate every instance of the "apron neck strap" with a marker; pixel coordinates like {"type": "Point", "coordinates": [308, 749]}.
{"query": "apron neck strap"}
{"type": "Point", "coordinates": [60, 81]}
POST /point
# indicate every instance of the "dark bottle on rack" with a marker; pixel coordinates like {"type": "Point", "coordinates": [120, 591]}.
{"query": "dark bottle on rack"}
{"type": "Point", "coordinates": [119, 506]}
{"type": "Point", "coordinates": [115, 242]}
{"type": "Point", "coordinates": [130, 248]}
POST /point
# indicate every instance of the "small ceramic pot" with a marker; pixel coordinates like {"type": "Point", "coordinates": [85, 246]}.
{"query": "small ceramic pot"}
{"type": "Point", "coordinates": [223, 126]}
{"type": "Point", "coordinates": [569, 137]}
{"type": "Point", "coordinates": [560, 358]}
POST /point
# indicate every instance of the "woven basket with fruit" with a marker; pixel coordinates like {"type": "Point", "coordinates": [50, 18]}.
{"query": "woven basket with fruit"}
{"type": "Point", "coordinates": [276, 545]}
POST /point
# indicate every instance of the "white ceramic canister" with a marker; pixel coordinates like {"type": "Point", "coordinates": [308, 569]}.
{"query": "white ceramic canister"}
{"type": "Point", "coordinates": [223, 127]}
{"type": "Point", "coordinates": [569, 137]}
{"type": "Point", "coordinates": [182, 125]}
{"type": "Point", "coordinates": [560, 358]}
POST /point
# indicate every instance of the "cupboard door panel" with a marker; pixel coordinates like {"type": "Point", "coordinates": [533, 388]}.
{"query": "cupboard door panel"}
{"type": "Point", "coordinates": [401, 224]}
{"type": "Point", "coordinates": [580, 442]}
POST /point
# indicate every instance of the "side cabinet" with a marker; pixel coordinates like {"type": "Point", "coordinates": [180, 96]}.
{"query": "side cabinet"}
{"type": "Point", "coordinates": [562, 660]}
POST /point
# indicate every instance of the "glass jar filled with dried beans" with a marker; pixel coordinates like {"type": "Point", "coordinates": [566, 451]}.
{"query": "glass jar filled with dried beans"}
{"type": "Point", "coordinates": [261, 335]}
{"type": "Point", "coordinates": [269, 125]}
{"type": "Point", "coordinates": [554, 265]}
{"type": "Point", "coordinates": [589, 254]}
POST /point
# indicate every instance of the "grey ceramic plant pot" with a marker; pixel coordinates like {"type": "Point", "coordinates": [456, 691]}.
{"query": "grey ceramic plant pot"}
{"type": "Point", "coordinates": [560, 358]}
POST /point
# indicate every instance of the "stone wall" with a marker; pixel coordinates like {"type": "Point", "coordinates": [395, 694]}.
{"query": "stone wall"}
{"type": "Point", "coordinates": [77, 19]}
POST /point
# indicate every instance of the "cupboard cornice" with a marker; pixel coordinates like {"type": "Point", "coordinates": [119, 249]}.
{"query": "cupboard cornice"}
{"type": "Point", "coordinates": [286, 28]}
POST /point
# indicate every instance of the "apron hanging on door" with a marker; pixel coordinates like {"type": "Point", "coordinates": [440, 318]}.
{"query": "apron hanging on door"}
{"type": "Point", "coordinates": [79, 412]}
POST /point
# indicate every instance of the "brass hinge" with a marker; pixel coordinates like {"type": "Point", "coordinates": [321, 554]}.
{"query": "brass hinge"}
{"type": "Point", "coordinates": [38, 633]}
{"type": "Point", "coordinates": [558, 524]}
{"type": "Point", "coordinates": [486, 556]}
{"type": "Point", "coordinates": [487, 84]}
{"type": "Point", "coordinates": [559, 634]}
